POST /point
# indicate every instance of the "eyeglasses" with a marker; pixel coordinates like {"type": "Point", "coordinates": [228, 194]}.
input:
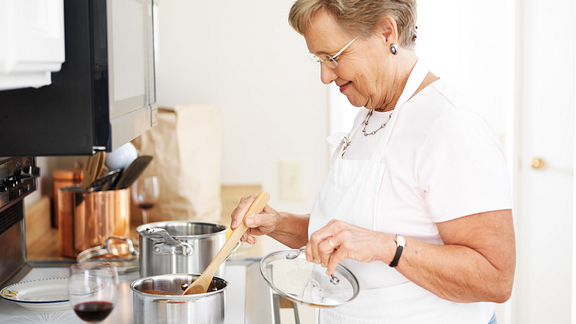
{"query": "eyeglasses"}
{"type": "Point", "coordinates": [328, 59]}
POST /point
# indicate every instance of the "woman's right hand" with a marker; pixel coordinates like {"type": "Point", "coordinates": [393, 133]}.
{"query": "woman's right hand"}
{"type": "Point", "coordinates": [258, 224]}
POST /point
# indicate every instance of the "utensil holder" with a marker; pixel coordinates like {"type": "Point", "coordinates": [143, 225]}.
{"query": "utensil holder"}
{"type": "Point", "coordinates": [87, 219]}
{"type": "Point", "coordinates": [62, 179]}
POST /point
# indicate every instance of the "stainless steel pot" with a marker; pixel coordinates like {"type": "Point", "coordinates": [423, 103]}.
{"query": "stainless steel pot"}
{"type": "Point", "coordinates": [179, 247]}
{"type": "Point", "coordinates": [150, 306]}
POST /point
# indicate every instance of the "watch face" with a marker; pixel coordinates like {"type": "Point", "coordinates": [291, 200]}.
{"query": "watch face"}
{"type": "Point", "coordinates": [400, 240]}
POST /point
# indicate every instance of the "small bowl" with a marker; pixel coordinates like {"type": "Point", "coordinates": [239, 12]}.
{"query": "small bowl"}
{"type": "Point", "coordinates": [121, 157]}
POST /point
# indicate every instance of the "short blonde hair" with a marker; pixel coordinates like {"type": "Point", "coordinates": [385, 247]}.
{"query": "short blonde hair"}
{"type": "Point", "coordinates": [359, 17]}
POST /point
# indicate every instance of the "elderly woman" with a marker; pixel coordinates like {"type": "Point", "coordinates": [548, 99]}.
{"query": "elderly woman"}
{"type": "Point", "coordinates": [417, 203]}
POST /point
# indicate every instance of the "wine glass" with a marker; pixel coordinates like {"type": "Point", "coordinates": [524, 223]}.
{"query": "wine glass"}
{"type": "Point", "coordinates": [145, 192]}
{"type": "Point", "coordinates": [93, 290]}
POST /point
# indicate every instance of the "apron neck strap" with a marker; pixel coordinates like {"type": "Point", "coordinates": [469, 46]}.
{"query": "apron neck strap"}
{"type": "Point", "coordinates": [417, 76]}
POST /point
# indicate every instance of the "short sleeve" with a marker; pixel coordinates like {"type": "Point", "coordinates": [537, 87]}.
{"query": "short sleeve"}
{"type": "Point", "coordinates": [462, 168]}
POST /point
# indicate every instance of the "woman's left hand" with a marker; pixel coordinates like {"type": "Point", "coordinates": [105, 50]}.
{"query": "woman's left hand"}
{"type": "Point", "coordinates": [339, 240]}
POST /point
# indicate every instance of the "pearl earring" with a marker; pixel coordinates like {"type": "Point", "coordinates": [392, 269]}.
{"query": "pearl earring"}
{"type": "Point", "coordinates": [394, 49]}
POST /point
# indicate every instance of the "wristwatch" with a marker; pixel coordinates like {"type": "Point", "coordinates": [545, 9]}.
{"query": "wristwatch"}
{"type": "Point", "coordinates": [400, 244]}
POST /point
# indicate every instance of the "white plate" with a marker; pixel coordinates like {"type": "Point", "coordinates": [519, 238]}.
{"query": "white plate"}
{"type": "Point", "coordinates": [40, 295]}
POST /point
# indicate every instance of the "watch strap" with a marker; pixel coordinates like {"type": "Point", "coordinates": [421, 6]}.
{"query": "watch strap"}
{"type": "Point", "coordinates": [399, 249]}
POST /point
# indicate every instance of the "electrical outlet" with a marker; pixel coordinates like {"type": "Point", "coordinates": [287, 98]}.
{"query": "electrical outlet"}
{"type": "Point", "coordinates": [293, 179]}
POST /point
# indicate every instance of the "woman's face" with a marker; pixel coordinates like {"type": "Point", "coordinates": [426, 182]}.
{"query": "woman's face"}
{"type": "Point", "coordinates": [364, 72]}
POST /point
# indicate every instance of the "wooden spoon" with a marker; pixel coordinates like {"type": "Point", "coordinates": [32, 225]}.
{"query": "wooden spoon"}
{"type": "Point", "coordinates": [92, 166]}
{"type": "Point", "coordinates": [201, 284]}
{"type": "Point", "coordinates": [101, 166]}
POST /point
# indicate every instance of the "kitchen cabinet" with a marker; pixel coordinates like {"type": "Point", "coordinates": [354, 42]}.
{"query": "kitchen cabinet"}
{"type": "Point", "coordinates": [104, 94]}
{"type": "Point", "coordinates": [31, 42]}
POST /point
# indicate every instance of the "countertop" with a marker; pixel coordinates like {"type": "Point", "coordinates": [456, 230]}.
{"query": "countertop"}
{"type": "Point", "coordinates": [248, 298]}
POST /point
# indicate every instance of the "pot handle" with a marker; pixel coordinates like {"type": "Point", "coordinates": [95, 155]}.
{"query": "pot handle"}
{"type": "Point", "coordinates": [168, 239]}
{"type": "Point", "coordinates": [181, 248]}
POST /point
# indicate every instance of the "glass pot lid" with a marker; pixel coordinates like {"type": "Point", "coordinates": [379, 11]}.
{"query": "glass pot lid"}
{"type": "Point", "coordinates": [289, 274]}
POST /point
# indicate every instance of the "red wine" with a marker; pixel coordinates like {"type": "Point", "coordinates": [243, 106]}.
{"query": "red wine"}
{"type": "Point", "coordinates": [145, 205]}
{"type": "Point", "coordinates": [93, 311]}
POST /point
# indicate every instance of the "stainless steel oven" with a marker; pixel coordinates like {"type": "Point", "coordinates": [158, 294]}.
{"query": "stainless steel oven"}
{"type": "Point", "coordinates": [17, 180]}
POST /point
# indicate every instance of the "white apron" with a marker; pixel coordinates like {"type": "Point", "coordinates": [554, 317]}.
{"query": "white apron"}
{"type": "Point", "coordinates": [349, 193]}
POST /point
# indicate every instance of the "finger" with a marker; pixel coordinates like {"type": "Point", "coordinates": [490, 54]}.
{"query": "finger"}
{"type": "Point", "coordinates": [329, 230]}
{"type": "Point", "coordinates": [246, 236]}
{"type": "Point", "coordinates": [316, 251]}
{"type": "Point", "coordinates": [335, 258]}
{"type": "Point", "coordinates": [259, 220]}
{"type": "Point", "coordinates": [308, 251]}
{"type": "Point", "coordinates": [233, 216]}
{"type": "Point", "coordinates": [319, 247]}
{"type": "Point", "coordinates": [332, 245]}
{"type": "Point", "coordinates": [326, 248]}
{"type": "Point", "coordinates": [310, 254]}
{"type": "Point", "coordinates": [251, 239]}
{"type": "Point", "coordinates": [240, 210]}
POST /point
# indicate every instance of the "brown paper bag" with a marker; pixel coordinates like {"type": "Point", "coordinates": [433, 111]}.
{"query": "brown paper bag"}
{"type": "Point", "coordinates": [187, 149]}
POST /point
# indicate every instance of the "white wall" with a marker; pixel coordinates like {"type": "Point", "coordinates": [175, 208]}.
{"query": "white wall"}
{"type": "Point", "coordinates": [243, 57]}
{"type": "Point", "coordinates": [466, 44]}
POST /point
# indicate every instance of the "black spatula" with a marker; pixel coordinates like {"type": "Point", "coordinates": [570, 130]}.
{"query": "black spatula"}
{"type": "Point", "coordinates": [133, 171]}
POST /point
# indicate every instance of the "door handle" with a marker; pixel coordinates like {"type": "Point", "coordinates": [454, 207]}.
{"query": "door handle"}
{"type": "Point", "coordinates": [537, 163]}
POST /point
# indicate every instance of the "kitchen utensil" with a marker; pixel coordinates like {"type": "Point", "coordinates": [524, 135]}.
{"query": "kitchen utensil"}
{"type": "Point", "coordinates": [190, 249]}
{"type": "Point", "coordinates": [91, 169]}
{"type": "Point", "coordinates": [93, 290]}
{"type": "Point", "coordinates": [145, 194]}
{"type": "Point", "coordinates": [103, 182]}
{"type": "Point", "coordinates": [112, 184]}
{"type": "Point", "coordinates": [49, 294]}
{"type": "Point", "coordinates": [88, 219]}
{"type": "Point", "coordinates": [62, 179]}
{"type": "Point", "coordinates": [133, 171]}
{"type": "Point", "coordinates": [201, 284]}
{"type": "Point", "coordinates": [159, 299]}
{"type": "Point", "coordinates": [291, 276]}
{"type": "Point", "coordinates": [104, 170]}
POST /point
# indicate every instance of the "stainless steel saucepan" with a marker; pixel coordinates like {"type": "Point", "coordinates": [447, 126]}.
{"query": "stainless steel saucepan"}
{"type": "Point", "coordinates": [172, 247]}
{"type": "Point", "coordinates": [159, 299]}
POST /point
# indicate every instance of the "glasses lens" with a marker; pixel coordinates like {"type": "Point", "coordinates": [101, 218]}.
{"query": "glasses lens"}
{"type": "Point", "coordinates": [324, 59]}
{"type": "Point", "coordinates": [330, 61]}
{"type": "Point", "coordinates": [315, 59]}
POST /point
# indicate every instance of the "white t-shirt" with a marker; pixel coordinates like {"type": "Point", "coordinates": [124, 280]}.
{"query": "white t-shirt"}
{"type": "Point", "coordinates": [442, 162]}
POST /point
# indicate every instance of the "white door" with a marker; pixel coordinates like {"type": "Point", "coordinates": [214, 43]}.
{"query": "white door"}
{"type": "Point", "coordinates": [544, 219]}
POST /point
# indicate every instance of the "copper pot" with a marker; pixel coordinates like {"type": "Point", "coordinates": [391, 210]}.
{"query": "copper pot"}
{"type": "Point", "coordinates": [61, 179]}
{"type": "Point", "coordinates": [87, 219]}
